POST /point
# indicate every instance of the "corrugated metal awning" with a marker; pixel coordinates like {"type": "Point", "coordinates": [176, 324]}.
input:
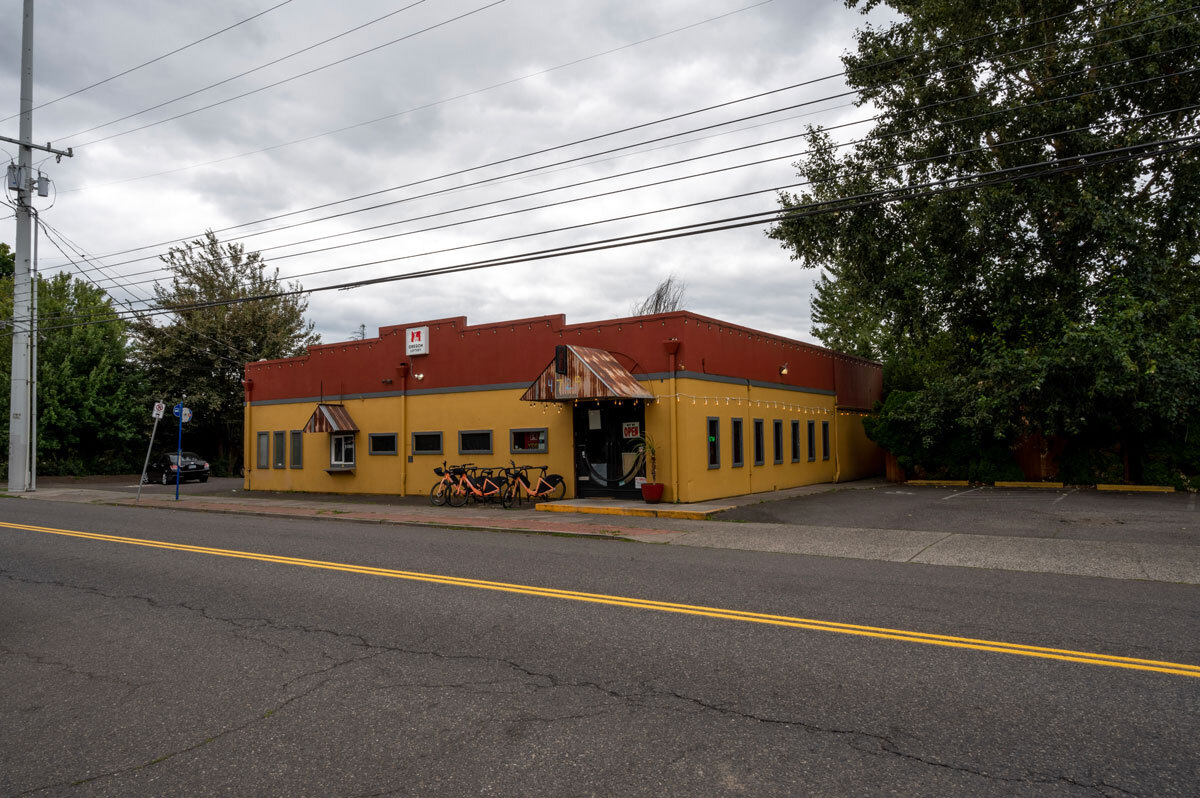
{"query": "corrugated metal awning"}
{"type": "Point", "coordinates": [588, 373]}
{"type": "Point", "coordinates": [330, 418]}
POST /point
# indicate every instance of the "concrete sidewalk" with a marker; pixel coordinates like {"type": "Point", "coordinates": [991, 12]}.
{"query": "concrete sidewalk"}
{"type": "Point", "coordinates": [1113, 560]}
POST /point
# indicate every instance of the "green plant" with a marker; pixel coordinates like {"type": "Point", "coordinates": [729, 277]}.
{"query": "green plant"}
{"type": "Point", "coordinates": [646, 445]}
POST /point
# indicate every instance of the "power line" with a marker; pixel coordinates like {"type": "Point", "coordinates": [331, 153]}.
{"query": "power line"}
{"type": "Point", "coordinates": [433, 104]}
{"type": "Point", "coordinates": [896, 193]}
{"type": "Point", "coordinates": [645, 125]}
{"type": "Point", "coordinates": [926, 108]}
{"type": "Point", "coordinates": [283, 81]}
{"type": "Point", "coordinates": [153, 60]}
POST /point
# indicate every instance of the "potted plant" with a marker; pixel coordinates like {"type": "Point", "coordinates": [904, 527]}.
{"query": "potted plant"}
{"type": "Point", "coordinates": [652, 489]}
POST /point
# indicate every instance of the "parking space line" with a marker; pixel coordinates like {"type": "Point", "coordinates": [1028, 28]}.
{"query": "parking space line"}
{"type": "Point", "coordinates": [1192, 502]}
{"type": "Point", "coordinates": [1065, 495]}
{"type": "Point", "coordinates": [961, 493]}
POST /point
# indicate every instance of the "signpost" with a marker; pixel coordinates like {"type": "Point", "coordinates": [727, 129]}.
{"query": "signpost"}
{"type": "Point", "coordinates": [184, 414]}
{"type": "Point", "coordinates": [156, 414]}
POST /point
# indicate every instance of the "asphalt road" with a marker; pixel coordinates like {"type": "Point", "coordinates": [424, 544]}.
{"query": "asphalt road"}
{"type": "Point", "coordinates": [1069, 513]}
{"type": "Point", "coordinates": [131, 670]}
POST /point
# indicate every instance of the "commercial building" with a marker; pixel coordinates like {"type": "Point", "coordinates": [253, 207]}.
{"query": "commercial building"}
{"type": "Point", "coordinates": [731, 410]}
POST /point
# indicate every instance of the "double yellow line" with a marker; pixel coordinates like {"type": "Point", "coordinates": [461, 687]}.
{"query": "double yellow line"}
{"type": "Point", "coordinates": [882, 633]}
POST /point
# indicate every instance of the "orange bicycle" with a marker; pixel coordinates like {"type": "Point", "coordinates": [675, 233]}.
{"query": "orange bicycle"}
{"type": "Point", "coordinates": [444, 487]}
{"type": "Point", "coordinates": [480, 484]}
{"type": "Point", "coordinates": [548, 486]}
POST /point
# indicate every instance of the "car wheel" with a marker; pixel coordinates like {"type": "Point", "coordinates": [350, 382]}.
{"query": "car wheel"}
{"type": "Point", "coordinates": [165, 481]}
{"type": "Point", "coordinates": [204, 479]}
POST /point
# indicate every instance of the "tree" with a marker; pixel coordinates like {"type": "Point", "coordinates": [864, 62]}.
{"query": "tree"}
{"type": "Point", "coordinates": [91, 408]}
{"type": "Point", "coordinates": [8, 262]}
{"type": "Point", "coordinates": [1065, 305]}
{"type": "Point", "coordinates": [666, 297]}
{"type": "Point", "coordinates": [200, 353]}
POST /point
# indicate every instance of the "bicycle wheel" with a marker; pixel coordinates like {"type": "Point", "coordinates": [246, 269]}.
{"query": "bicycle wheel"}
{"type": "Point", "coordinates": [559, 490]}
{"type": "Point", "coordinates": [458, 495]}
{"type": "Point", "coordinates": [437, 494]}
{"type": "Point", "coordinates": [507, 494]}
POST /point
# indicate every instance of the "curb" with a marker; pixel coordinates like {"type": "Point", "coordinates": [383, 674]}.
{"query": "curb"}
{"type": "Point", "coordinates": [686, 515]}
{"type": "Point", "coordinates": [1138, 488]}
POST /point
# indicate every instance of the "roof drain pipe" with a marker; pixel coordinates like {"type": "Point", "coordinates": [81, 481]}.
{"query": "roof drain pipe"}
{"type": "Point", "coordinates": [672, 347]}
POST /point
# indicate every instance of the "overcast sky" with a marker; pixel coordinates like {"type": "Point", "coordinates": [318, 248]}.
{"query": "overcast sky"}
{"type": "Point", "coordinates": [496, 83]}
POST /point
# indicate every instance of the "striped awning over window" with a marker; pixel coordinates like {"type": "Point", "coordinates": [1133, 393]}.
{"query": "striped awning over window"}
{"type": "Point", "coordinates": [330, 418]}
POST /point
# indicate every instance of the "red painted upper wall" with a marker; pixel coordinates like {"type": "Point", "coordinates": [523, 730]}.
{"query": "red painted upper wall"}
{"type": "Point", "coordinates": [515, 352]}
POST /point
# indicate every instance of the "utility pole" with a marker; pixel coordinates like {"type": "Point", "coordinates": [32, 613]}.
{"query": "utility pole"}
{"type": "Point", "coordinates": [20, 428]}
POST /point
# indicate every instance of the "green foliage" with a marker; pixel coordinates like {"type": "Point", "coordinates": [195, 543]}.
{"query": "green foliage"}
{"type": "Point", "coordinates": [8, 262]}
{"type": "Point", "coordinates": [91, 410]}
{"type": "Point", "coordinates": [200, 353]}
{"type": "Point", "coordinates": [1067, 305]}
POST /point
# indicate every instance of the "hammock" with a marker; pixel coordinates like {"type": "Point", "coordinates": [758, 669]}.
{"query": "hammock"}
{"type": "Point", "coordinates": [625, 478]}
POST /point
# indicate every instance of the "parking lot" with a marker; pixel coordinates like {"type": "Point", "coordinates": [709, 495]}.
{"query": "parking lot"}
{"type": "Point", "coordinates": [1069, 513]}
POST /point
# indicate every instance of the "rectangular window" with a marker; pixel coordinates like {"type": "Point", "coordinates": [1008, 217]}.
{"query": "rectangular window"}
{"type": "Point", "coordinates": [381, 443]}
{"type": "Point", "coordinates": [795, 441]}
{"type": "Point", "coordinates": [264, 450]}
{"type": "Point", "coordinates": [341, 450]}
{"type": "Point", "coordinates": [824, 440]}
{"type": "Point", "coordinates": [812, 441]}
{"type": "Point", "coordinates": [777, 439]}
{"type": "Point", "coordinates": [297, 448]}
{"type": "Point", "coordinates": [475, 441]}
{"type": "Point", "coordinates": [528, 441]}
{"type": "Point", "coordinates": [736, 458]}
{"type": "Point", "coordinates": [427, 443]}
{"type": "Point", "coordinates": [280, 450]}
{"type": "Point", "coordinates": [714, 442]}
{"type": "Point", "coordinates": [760, 446]}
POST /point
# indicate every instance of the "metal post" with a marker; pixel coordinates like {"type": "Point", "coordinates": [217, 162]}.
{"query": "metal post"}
{"type": "Point", "coordinates": [18, 422]}
{"type": "Point", "coordinates": [146, 463]}
{"type": "Point", "coordinates": [179, 452]}
{"type": "Point", "coordinates": [33, 363]}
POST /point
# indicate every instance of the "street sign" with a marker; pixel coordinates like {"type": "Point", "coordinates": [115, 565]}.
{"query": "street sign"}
{"type": "Point", "coordinates": [159, 409]}
{"type": "Point", "coordinates": [187, 415]}
{"type": "Point", "coordinates": [177, 409]}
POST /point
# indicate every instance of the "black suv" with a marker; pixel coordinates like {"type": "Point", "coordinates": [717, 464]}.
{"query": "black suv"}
{"type": "Point", "coordinates": [189, 464]}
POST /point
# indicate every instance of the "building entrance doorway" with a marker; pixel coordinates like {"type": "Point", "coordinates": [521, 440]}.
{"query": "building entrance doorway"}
{"type": "Point", "coordinates": [607, 454]}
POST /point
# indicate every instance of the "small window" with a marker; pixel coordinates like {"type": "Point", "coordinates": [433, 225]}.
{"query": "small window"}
{"type": "Point", "coordinates": [714, 442]}
{"type": "Point", "coordinates": [812, 441]}
{"type": "Point", "coordinates": [341, 450]}
{"type": "Point", "coordinates": [760, 446]}
{"type": "Point", "coordinates": [427, 443]}
{"type": "Point", "coordinates": [381, 443]}
{"type": "Point", "coordinates": [824, 440]}
{"type": "Point", "coordinates": [777, 439]}
{"type": "Point", "coordinates": [736, 458]}
{"type": "Point", "coordinates": [475, 441]}
{"type": "Point", "coordinates": [795, 441]}
{"type": "Point", "coordinates": [280, 450]}
{"type": "Point", "coordinates": [264, 450]}
{"type": "Point", "coordinates": [297, 448]}
{"type": "Point", "coordinates": [528, 441]}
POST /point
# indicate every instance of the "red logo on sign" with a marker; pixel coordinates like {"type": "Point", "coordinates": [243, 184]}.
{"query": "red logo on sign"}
{"type": "Point", "coordinates": [414, 336]}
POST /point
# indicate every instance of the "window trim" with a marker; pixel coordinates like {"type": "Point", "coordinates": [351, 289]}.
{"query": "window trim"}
{"type": "Point", "coordinates": [278, 458]}
{"type": "Point", "coordinates": [441, 443]}
{"type": "Point", "coordinates": [491, 441]}
{"type": "Point", "coordinates": [712, 429]}
{"type": "Point", "coordinates": [262, 458]}
{"type": "Point", "coordinates": [333, 437]}
{"type": "Point", "coordinates": [824, 440]}
{"type": "Point", "coordinates": [777, 439]}
{"type": "Point", "coordinates": [543, 449]}
{"type": "Point", "coordinates": [296, 460]}
{"type": "Point", "coordinates": [795, 440]}
{"type": "Point", "coordinates": [372, 436]}
{"type": "Point", "coordinates": [737, 442]}
{"type": "Point", "coordinates": [812, 440]}
{"type": "Point", "coordinates": [760, 442]}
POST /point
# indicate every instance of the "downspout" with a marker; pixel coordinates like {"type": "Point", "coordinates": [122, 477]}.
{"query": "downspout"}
{"type": "Point", "coordinates": [837, 460]}
{"type": "Point", "coordinates": [247, 465]}
{"type": "Point", "coordinates": [402, 371]}
{"type": "Point", "coordinates": [672, 347]}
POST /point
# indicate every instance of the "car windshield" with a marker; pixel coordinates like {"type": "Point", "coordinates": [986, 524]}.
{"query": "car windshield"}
{"type": "Point", "coordinates": [188, 457]}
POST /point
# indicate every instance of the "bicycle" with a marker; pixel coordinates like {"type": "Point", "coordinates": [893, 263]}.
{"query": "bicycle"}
{"type": "Point", "coordinates": [479, 484]}
{"type": "Point", "coordinates": [548, 486]}
{"type": "Point", "coordinates": [444, 487]}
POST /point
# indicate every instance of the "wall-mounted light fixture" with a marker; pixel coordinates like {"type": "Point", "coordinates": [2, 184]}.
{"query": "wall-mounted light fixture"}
{"type": "Point", "coordinates": [783, 370]}
{"type": "Point", "coordinates": [386, 381]}
{"type": "Point", "coordinates": [419, 377]}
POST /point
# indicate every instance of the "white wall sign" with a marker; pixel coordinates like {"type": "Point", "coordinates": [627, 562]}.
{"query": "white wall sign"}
{"type": "Point", "coordinates": [417, 340]}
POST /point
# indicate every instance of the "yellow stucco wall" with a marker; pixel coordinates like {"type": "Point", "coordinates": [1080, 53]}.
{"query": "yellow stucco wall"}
{"type": "Point", "coordinates": [691, 402]}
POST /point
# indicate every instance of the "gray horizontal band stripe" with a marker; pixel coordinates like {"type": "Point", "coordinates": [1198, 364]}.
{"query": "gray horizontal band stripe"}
{"type": "Point", "coordinates": [512, 386]}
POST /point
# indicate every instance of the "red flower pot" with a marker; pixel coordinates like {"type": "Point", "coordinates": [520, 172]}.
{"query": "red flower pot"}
{"type": "Point", "coordinates": [652, 492]}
